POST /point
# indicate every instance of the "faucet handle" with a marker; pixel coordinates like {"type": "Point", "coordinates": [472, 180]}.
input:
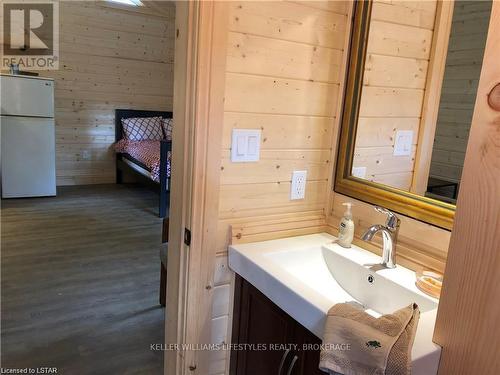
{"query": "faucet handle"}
{"type": "Point", "coordinates": [392, 221]}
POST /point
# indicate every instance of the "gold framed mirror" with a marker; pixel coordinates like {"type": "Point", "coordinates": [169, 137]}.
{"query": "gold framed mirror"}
{"type": "Point", "coordinates": [409, 98]}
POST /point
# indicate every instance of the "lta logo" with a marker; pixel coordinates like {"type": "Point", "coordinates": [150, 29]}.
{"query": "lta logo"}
{"type": "Point", "coordinates": [30, 35]}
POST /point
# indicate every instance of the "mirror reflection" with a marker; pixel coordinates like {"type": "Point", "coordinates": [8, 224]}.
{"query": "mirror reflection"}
{"type": "Point", "coordinates": [391, 146]}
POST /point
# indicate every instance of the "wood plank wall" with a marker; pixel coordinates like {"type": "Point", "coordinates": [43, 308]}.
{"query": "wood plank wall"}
{"type": "Point", "coordinates": [282, 76]}
{"type": "Point", "coordinates": [284, 73]}
{"type": "Point", "coordinates": [398, 53]}
{"type": "Point", "coordinates": [461, 77]}
{"type": "Point", "coordinates": [109, 58]}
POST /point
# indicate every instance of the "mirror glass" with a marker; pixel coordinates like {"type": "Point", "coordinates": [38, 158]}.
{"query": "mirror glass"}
{"type": "Point", "coordinates": [391, 147]}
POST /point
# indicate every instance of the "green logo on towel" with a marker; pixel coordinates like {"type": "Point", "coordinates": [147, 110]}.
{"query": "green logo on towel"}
{"type": "Point", "coordinates": [373, 344]}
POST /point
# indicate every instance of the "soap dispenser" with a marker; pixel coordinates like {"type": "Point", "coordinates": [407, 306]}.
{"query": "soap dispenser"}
{"type": "Point", "coordinates": [346, 227]}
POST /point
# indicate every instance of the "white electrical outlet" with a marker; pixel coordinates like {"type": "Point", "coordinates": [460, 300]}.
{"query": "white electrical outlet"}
{"type": "Point", "coordinates": [298, 185]}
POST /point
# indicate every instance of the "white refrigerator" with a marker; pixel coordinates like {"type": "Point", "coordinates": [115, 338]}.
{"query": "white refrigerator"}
{"type": "Point", "coordinates": [28, 166]}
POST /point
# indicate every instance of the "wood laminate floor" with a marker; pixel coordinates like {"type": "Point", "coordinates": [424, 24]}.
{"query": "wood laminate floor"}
{"type": "Point", "coordinates": [80, 278]}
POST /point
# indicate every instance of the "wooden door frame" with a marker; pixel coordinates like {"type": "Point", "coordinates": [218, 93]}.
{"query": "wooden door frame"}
{"type": "Point", "coordinates": [467, 320]}
{"type": "Point", "coordinates": [199, 84]}
{"type": "Point", "coordinates": [432, 96]}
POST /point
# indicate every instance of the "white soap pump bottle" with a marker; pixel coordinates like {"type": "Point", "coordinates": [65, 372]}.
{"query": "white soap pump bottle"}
{"type": "Point", "coordinates": [346, 227]}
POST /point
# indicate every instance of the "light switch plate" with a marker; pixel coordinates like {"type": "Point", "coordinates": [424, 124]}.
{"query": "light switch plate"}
{"type": "Point", "coordinates": [403, 143]}
{"type": "Point", "coordinates": [245, 145]}
{"type": "Point", "coordinates": [298, 190]}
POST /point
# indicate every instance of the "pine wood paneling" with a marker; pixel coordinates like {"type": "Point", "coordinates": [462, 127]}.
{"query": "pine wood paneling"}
{"type": "Point", "coordinates": [297, 132]}
{"type": "Point", "coordinates": [283, 74]}
{"type": "Point", "coordinates": [241, 197]}
{"type": "Point", "coordinates": [339, 7]}
{"type": "Point", "coordinates": [110, 57]}
{"type": "Point", "coordinates": [262, 94]}
{"type": "Point", "coordinates": [278, 226]}
{"type": "Point", "coordinates": [379, 132]}
{"type": "Point", "coordinates": [402, 12]}
{"type": "Point", "coordinates": [290, 21]}
{"type": "Point", "coordinates": [380, 161]}
{"type": "Point", "coordinates": [279, 58]}
{"type": "Point", "coordinates": [391, 71]}
{"type": "Point", "coordinates": [390, 102]}
{"type": "Point", "coordinates": [387, 38]}
{"type": "Point", "coordinates": [273, 170]}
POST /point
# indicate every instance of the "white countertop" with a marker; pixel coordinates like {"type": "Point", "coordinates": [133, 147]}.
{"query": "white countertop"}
{"type": "Point", "coordinates": [306, 289]}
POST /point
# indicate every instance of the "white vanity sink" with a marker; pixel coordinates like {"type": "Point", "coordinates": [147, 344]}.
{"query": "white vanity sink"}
{"type": "Point", "coordinates": [307, 275]}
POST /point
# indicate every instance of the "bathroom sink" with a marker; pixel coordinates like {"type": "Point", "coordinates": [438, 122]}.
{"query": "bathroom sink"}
{"type": "Point", "coordinates": [382, 290]}
{"type": "Point", "coordinates": [357, 276]}
{"type": "Point", "coordinates": [306, 275]}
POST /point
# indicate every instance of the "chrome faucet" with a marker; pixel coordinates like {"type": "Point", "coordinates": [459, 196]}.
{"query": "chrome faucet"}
{"type": "Point", "coordinates": [389, 233]}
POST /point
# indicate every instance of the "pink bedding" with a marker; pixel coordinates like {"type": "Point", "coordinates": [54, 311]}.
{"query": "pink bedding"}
{"type": "Point", "coordinates": [147, 152]}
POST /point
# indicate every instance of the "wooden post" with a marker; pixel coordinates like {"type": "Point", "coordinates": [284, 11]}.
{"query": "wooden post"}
{"type": "Point", "coordinates": [468, 317]}
{"type": "Point", "coordinates": [435, 75]}
{"type": "Point", "coordinates": [199, 106]}
{"type": "Point", "coordinates": [165, 149]}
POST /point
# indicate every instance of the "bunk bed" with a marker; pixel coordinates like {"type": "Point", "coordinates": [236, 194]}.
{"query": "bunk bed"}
{"type": "Point", "coordinates": [147, 155]}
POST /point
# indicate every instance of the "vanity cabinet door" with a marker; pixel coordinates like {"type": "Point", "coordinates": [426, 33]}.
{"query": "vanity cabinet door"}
{"type": "Point", "coordinates": [308, 351]}
{"type": "Point", "coordinates": [258, 321]}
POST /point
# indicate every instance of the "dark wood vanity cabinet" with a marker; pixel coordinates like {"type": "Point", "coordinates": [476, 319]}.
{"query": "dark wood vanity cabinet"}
{"type": "Point", "coordinates": [270, 341]}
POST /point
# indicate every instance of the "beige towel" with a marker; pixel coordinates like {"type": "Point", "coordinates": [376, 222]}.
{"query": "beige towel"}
{"type": "Point", "coordinates": [355, 343]}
